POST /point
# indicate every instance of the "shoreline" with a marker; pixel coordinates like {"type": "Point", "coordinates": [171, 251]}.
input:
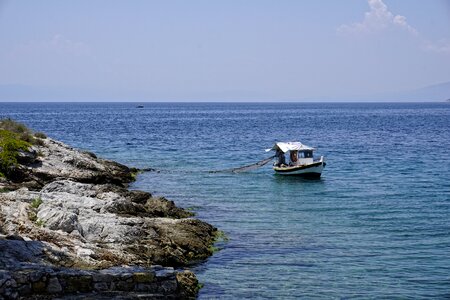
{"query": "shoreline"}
{"type": "Point", "coordinates": [70, 226]}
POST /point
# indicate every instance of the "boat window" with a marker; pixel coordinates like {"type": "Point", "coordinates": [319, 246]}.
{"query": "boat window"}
{"type": "Point", "coordinates": [305, 154]}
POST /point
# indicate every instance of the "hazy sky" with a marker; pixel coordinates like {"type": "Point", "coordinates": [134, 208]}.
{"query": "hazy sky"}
{"type": "Point", "coordinates": [223, 50]}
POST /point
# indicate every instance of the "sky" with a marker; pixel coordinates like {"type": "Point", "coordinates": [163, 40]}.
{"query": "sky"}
{"type": "Point", "coordinates": [202, 50]}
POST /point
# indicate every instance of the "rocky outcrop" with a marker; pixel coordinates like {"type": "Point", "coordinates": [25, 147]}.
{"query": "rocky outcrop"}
{"type": "Point", "coordinates": [69, 225]}
{"type": "Point", "coordinates": [55, 160]}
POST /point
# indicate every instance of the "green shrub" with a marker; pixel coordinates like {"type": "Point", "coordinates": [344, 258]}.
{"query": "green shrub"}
{"type": "Point", "coordinates": [24, 133]}
{"type": "Point", "coordinates": [40, 135]}
{"type": "Point", "coordinates": [13, 126]}
{"type": "Point", "coordinates": [32, 212]}
{"type": "Point", "coordinates": [15, 137]}
{"type": "Point", "coordinates": [38, 142]}
{"type": "Point", "coordinates": [10, 145]}
{"type": "Point", "coordinates": [39, 222]}
{"type": "Point", "coordinates": [36, 202]}
{"type": "Point", "coordinates": [27, 137]}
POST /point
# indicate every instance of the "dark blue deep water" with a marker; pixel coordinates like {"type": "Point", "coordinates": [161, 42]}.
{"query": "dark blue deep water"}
{"type": "Point", "coordinates": [377, 225]}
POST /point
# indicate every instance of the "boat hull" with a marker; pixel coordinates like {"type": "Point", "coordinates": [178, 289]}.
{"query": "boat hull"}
{"type": "Point", "coordinates": [313, 170]}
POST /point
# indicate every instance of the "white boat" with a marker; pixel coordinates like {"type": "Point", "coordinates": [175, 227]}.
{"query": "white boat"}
{"type": "Point", "coordinates": [302, 162]}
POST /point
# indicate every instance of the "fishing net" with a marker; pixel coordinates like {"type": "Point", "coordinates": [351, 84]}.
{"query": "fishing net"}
{"type": "Point", "coordinates": [245, 168]}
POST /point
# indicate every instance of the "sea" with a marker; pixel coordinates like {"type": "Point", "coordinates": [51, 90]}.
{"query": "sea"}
{"type": "Point", "coordinates": [375, 226]}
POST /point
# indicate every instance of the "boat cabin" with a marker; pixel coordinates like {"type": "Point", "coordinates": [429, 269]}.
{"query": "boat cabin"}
{"type": "Point", "coordinates": [301, 157]}
{"type": "Point", "coordinates": [299, 154]}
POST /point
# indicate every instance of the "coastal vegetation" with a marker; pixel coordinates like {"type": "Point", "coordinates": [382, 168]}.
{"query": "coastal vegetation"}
{"type": "Point", "coordinates": [15, 138]}
{"type": "Point", "coordinates": [36, 202]}
{"type": "Point", "coordinates": [32, 212]}
{"type": "Point", "coordinates": [10, 144]}
{"type": "Point", "coordinates": [23, 132]}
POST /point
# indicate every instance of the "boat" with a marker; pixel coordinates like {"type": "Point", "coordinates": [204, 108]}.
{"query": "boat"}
{"type": "Point", "coordinates": [302, 161]}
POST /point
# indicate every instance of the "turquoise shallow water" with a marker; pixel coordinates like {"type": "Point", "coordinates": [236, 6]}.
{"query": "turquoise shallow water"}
{"type": "Point", "coordinates": [375, 226]}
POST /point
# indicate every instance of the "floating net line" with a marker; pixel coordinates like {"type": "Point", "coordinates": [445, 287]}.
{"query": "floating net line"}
{"type": "Point", "coordinates": [245, 168]}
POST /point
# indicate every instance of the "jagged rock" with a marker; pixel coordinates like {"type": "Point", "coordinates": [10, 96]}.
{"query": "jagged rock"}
{"type": "Point", "coordinates": [188, 284]}
{"type": "Point", "coordinates": [20, 195]}
{"type": "Point", "coordinates": [70, 187]}
{"type": "Point", "coordinates": [122, 207]}
{"type": "Point", "coordinates": [183, 241]}
{"type": "Point", "coordinates": [27, 157]}
{"type": "Point", "coordinates": [60, 219]}
{"type": "Point", "coordinates": [15, 251]}
{"type": "Point", "coordinates": [57, 160]}
{"type": "Point", "coordinates": [161, 207]}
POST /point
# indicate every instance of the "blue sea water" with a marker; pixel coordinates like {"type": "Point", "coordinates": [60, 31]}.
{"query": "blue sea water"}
{"type": "Point", "coordinates": [377, 225]}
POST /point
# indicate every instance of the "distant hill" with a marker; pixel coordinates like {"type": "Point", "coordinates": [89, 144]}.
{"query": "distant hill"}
{"type": "Point", "coordinates": [437, 92]}
{"type": "Point", "coordinates": [432, 93]}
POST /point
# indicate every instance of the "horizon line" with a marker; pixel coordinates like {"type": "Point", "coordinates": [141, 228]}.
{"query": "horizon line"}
{"type": "Point", "coordinates": [224, 101]}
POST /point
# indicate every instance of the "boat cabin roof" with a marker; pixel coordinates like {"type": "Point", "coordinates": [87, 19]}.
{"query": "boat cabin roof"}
{"type": "Point", "coordinates": [289, 146]}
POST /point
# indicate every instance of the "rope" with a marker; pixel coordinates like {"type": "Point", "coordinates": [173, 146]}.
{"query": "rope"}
{"type": "Point", "coordinates": [231, 170]}
{"type": "Point", "coordinates": [245, 168]}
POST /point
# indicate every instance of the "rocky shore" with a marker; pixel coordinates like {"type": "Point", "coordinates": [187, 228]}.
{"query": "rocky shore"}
{"type": "Point", "coordinates": [71, 228]}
